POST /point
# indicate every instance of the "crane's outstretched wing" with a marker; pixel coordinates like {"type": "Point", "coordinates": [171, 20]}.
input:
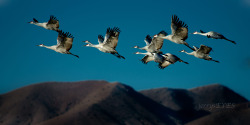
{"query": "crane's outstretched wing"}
{"type": "Point", "coordinates": [111, 37]}
{"type": "Point", "coordinates": [35, 20]}
{"type": "Point", "coordinates": [179, 28]}
{"type": "Point", "coordinates": [157, 42]}
{"type": "Point", "coordinates": [204, 49]}
{"type": "Point", "coordinates": [100, 39]}
{"type": "Point", "coordinates": [147, 59]}
{"type": "Point", "coordinates": [171, 58]}
{"type": "Point", "coordinates": [148, 40]}
{"type": "Point", "coordinates": [53, 22]}
{"type": "Point", "coordinates": [164, 64]}
{"type": "Point", "coordinates": [65, 40]}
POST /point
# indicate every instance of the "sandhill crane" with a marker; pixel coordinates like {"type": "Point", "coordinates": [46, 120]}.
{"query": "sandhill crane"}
{"type": "Point", "coordinates": [163, 60]}
{"type": "Point", "coordinates": [64, 43]}
{"type": "Point", "coordinates": [173, 58]}
{"type": "Point", "coordinates": [155, 44]}
{"type": "Point", "coordinates": [109, 43]}
{"type": "Point", "coordinates": [147, 58]}
{"type": "Point", "coordinates": [52, 24]}
{"type": "Point", "coordinates": [213, 35]}
{"type": "Point", "coordinates": [169, 59]}
{"type": "Point", "coordinates": [179, 32]}
{"type": "Point", "coordinates": [202, 53]}
{"type": "Point", "coordinates": [156, 57]}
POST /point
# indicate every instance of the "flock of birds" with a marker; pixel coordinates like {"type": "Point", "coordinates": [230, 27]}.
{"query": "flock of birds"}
{"type": "Point", "coordinates": [153, 46]}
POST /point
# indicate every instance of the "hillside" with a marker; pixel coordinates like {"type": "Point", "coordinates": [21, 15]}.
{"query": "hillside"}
{"type": "Point", "coordinates": [89, 102]}
{"type": "Point", "coordinates": [104, 103]}
{"type": "Point", "coordinates": [239, 115]}
{"type": "Point", "coordinates": [197, 102]}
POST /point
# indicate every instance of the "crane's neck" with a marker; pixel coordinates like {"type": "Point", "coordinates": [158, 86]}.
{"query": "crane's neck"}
{"type": "Point", "coordinates": [143, 48]}
{"type": "Point", "coordinates": [93, 45]}
{"type": "Point", "coordinates": [143, 53]}
{"type": "Point", "coordinates": [203, 34]}
{"type": "Point", "coordinates": [49, 47]}
{"type": "Point", "coordinates": [168, 37]}
{"type": "Point", "coordinates": [41, 24]}
{"type": "Point", "coordinates": [191, 53]}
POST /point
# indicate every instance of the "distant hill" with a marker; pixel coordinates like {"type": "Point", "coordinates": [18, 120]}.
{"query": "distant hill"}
{"type": "Point", "coordinates": [197, 102]}
{"type": "Point", "coordinates": [104, 103]}
{"type": "Point", "coordinates": [88, 103]}
{"type": "Point", "coordinates": [239, 115]}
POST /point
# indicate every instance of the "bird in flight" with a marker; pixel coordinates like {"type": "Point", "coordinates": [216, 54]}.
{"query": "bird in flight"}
{"type": "Point", "coordinates": [64, 44]}
{"type": "Point", "coordinates": [153, 45]}
{"type": "Point", "coordinates": [108, 43]}
{"type": "Point", "coordinates": [52, 24]}
{"type": "Point", "coordinates": [213, 35]}
{"type": "Point", "coordinates": [179, 32]}
{"type": "Point", "coordinates": [202, 53]}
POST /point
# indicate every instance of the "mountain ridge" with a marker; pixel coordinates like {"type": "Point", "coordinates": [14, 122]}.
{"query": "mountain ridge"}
{"type": "Point", "coordinates": [100, 102]}
{"type": "Point", "coordinates": [87, 102]}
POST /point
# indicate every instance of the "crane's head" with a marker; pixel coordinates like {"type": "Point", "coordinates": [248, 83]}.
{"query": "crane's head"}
{"type": "Point", "coordinates": [87, 45]}
{"type": "Point", "coordinates": [137, 53]}
{"type": "Point", "coordinates": [156, 35]}
{"type": "Point", "coordinates": [182, 51]}
{"type": "Point", "coordinates": [31, 22]}
{"type": "Point", "coordinates": [41, 45]}
{"type": "Point", "coordinates": [136, 47]}
{"type": "Point", "coordinates": [195, 32]}
{"type": "Point", "coordinates": [86, 41]}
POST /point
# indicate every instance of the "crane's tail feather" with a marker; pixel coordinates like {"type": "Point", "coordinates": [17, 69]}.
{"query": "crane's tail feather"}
{"type": "Point", "coordinates": [184, 62]}
{"type": "Point", "coordinates": [230, 40]}
{"type": "Point", "coordinates": [74, 55]}
{"type": "Point", "coordinates": [118, 55]}
{"type": "Point", "coordinates": [215, 61]}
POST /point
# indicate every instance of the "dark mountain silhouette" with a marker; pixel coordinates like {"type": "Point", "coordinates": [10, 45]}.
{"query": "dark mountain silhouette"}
{"type": "Point", "coordinates": [197, 102]}
{"type": "Point", "coordinates": [239, 115]}
{"type": "Point", "coordinates": [103, 103]}
{"type": "Point", "coordinates": [216, 93]}
{"type": "Point", "coordinates": [88, 103]}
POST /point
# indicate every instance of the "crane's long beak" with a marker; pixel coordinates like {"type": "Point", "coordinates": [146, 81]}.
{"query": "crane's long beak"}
{"type": "Point", "coordinates": [39, 45]}
{"type": "Point", "coordinates": [86, 41]}
{"type": "Point", "coordinates": [85, 45]}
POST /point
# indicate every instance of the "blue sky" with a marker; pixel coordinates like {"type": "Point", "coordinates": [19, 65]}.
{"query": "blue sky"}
{"type": "Point", "coordinates": [23, 63]}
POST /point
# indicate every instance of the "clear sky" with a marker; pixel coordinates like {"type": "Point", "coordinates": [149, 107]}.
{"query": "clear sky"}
{"type": "Point", "coordinates": [23, 63]}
